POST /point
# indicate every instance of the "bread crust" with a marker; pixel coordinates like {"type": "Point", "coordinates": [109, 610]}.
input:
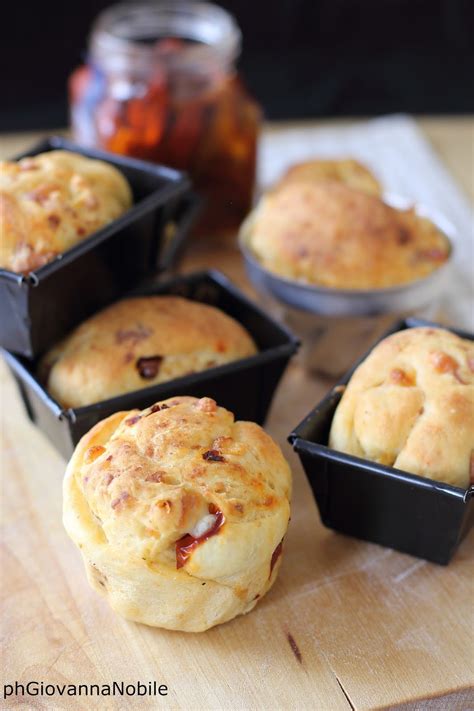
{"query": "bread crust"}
{"type": "Point", "coordinates": [410, 405]}
{"type": "Point", "coordinates": [348, 171]}
{"type": "Point", "coordinates": [52, 201]}
{"type": "Point", "coordinates": [138, 482]}
{"type": "Point", "coordinates": [330, 235]}
{"type": "Point", "coordinates": [139, 342]}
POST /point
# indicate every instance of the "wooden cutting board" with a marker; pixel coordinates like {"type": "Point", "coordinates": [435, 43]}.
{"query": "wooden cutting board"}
{"type": "Point", "coordinates": [347, 625]}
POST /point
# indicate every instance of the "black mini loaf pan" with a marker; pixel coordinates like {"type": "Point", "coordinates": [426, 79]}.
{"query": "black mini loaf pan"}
{"type": "Point", "coordinates": [359, 498]}
{"type": "Point", "coordinates": [245, 386]}
{"type": "Point", "coordinates": [38, 308]}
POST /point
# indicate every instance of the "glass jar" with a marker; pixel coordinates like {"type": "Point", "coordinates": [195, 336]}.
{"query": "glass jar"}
{"type": "Point", "coordinates": [160, 84]}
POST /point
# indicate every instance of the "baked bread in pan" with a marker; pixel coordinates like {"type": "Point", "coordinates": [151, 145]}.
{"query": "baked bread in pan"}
{"type": "Point", "coordinates": [327, 234]}
{"type": "Point", "coordinates": [347, 171]}
{"type": "Point", "coordinates": [410, 405]}
{"type": "Point", "coordinates": [52, 201]}
{"type": "Point", "coordinates": [139, 342]}
{"type": "Point", "coordinates": [179, 512]}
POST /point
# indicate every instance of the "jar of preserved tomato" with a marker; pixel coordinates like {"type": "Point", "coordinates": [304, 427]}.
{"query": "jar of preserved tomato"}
{"type": "Point", "coordinates": [160, 84]}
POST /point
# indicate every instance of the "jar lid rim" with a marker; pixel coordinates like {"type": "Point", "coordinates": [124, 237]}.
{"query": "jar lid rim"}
{"type": "Point", "coordinates": [122, 28]}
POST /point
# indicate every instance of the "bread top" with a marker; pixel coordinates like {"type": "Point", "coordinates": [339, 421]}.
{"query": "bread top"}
{"type": "Point", "coordinates": [139, 342]}
{"type": "Point", "coordinates": [330, 235]}
{"type": "Point", "coordinates": [410, 405]}
{"type": "Point", "coordinates": [184, 467]}
{"type": "Point", "coordinates": [52, 201]}
{"type": "Point", "coordinates": [347, 171]}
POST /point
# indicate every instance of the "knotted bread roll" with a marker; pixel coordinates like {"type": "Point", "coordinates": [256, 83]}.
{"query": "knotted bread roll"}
{"type": "Point", "coordinates": [410, 405]}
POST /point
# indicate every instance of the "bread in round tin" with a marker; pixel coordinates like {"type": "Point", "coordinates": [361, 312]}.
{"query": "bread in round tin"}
{"type": "Point", "coordinates": [327, 234]}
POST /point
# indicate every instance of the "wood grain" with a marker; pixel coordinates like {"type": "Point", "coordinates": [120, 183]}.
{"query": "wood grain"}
{"type": "Point", "coordinates": [348, 624]}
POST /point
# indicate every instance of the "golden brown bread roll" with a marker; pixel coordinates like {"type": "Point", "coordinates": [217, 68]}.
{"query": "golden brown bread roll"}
{"type": "Point", "coordinates": [179, 512]}
{"type": "Point", "coordinates": [139, 342]}
{"type": "Point", "coordinates": [52, 201]}
{"type": "Point", "coordinates": [410, 405]}
{"type": "Point", "coordinates": [327, 234]}
{"type": "Point", "coordinates": [347, 171]}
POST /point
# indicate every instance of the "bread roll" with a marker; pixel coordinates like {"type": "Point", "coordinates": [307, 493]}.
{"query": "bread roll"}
{"type": "Point", "coordinates": [328, 234]}
{"type": "Point", "coordinates": [410, 405]}
{"type": "Point", "coordinates": [52, 201]}
{"type": "Point", "coordinates": [139, 342]}
{"type": "Point", "coordinates": [179, 512]}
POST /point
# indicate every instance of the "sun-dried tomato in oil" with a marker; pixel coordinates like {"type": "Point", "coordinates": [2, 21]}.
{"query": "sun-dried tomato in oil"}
{"type": "Point", "coordinates": [160, 93]}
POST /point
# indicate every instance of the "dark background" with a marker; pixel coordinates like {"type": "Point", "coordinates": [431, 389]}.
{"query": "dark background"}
{"type": "Point", "coordinates": [301, 58]}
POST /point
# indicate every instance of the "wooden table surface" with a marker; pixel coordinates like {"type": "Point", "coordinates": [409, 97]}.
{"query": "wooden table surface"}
{"type": "Point", "coordinates": [348, 625]}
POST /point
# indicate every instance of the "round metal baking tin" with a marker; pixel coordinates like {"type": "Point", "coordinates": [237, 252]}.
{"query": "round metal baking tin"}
{"type": "Point", "coordinates": [354, 302]}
